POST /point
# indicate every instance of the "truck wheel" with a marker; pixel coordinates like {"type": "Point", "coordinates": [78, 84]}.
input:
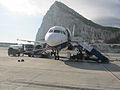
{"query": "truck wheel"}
{"type": "Point", "coordinates": [29, 55]}
{"type": "Point", "coordinates": [14, 52]}
{"type": "Point", "coordinates": [18, 54]}
{"type": "Point", "coordinates": [10, 50]}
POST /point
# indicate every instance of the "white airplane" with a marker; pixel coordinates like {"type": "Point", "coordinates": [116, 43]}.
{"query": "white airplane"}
{"type": "Point", "coordinates": [57, 38]}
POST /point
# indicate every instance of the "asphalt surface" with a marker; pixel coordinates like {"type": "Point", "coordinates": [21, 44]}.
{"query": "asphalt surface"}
{"type": "Point", "coordinates": [50, 74]}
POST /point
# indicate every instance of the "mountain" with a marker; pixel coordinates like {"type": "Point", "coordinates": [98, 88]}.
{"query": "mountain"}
{"type": "Point", "coordinates": [61, 15]}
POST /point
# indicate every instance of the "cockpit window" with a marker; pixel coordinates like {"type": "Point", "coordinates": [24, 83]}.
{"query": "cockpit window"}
{"type": "Point", "coordinates": [58, 31]}
{"type": "Point", "coordinates": [50, 31]}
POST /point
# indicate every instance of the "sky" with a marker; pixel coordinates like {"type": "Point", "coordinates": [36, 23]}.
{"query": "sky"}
{"type": "Point", "coordinates": [20, 19]}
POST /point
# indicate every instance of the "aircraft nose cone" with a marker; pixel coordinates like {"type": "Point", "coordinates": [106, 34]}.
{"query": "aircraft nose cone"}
{"type": "Point", "coordinates": [50, 39]}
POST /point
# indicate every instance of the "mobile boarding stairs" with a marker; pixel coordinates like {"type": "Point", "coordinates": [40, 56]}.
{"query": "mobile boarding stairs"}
{"type": "Point", "coordinates": [92, 51]}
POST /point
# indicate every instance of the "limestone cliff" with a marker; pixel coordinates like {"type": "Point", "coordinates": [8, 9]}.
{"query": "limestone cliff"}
{"type": "Point", "coordinates": [60, 14]}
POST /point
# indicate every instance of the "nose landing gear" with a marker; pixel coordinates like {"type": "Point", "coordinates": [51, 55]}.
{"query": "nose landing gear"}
{"type": "Point", "coordinates": [56, 54]}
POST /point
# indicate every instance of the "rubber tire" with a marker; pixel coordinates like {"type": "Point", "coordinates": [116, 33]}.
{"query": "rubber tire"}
{"type": "Point", "coordinates": [29, 55]}
{"type": "Point", "coordinates": [10, 50]}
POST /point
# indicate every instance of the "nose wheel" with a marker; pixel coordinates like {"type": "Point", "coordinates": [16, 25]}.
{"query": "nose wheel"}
{"type": "Point", "coordinates": [56, 57]}
{"type": "Point", "coordinates": [56, 54]}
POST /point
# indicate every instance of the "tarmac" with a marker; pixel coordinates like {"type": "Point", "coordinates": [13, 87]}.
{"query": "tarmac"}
{"type": "Point", "coordinates": [50, 74]}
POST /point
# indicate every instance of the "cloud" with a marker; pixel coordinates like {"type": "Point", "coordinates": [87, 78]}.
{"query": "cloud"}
{"type": "Point", "coordinates": [109, 21]}
{"type": "Point", "coordinates": [97, 10]}
{"type": "Point", "coordinates": [29, 7]}
{"type": "Point", "coordinates": [91, 9]}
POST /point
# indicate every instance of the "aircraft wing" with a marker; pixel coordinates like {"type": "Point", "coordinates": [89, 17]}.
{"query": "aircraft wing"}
{"type": "Point", "coordinates": [41, 42]}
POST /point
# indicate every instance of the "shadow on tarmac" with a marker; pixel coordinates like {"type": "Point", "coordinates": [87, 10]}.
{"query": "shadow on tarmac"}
{"type": "Point", "coordinates": [90, 65]}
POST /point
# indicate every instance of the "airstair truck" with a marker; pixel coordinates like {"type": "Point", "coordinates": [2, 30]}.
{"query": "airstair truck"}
{"type": "Point", "coordinates": [16, 50]}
